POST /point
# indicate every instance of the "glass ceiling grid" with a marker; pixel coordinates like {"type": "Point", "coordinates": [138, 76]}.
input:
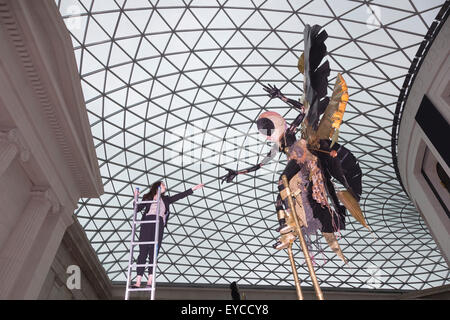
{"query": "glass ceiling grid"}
{"type": "Point", "coordinates": [173, 89]}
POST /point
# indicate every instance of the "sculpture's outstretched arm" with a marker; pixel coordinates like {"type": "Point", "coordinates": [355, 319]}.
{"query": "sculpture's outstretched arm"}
{"type": "Point", "coordinates": [274, 92]}
{"type": "Point", "coordinates": [233, 173]}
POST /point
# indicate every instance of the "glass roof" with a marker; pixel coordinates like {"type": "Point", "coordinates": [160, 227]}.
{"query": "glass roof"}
{"type": "Point", "coordinates": [173, 89]}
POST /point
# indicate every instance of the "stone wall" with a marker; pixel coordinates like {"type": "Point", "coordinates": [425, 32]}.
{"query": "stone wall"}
{"type": "Point", "coordinates": [76, 272]}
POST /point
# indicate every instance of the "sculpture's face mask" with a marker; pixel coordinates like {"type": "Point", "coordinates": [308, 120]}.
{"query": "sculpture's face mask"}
{"type": "Point", "coordinates": [271, 125]}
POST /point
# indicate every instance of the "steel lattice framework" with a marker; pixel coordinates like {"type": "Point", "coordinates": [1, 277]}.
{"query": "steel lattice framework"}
{"type": "Point", "coordinates": [173, 89]}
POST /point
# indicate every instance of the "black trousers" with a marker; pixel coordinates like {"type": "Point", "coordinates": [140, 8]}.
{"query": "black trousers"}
{"type": "Point", "coordinates": [147, 233]}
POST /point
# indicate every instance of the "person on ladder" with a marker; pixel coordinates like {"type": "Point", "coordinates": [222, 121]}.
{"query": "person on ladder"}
{"type": "Point", "coordinates": [147, 232]}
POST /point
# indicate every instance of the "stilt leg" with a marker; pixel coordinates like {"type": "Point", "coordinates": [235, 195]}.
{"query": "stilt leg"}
{"type": "Point", "coordinates": [303, 245]}
{"type": "Point", "coordinates": [294, 271]}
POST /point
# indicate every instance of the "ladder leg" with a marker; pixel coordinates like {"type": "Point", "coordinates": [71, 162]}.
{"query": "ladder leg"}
{"type": "Point", "coordinates": [133, 232]}
{"type": "Point", "coordinates": [156, 246]}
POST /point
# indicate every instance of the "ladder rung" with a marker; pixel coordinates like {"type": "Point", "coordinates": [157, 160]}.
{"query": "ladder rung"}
{"type": "Point", "coordinates": [146, 221]}
{"type": "Point", "coordinates": [140, 289]}
{"type": "Point", "coordinates": [143, 242]}
{"type": "Point", "coordinates": [143, 265]}
{"type": "Point", "coordinates": [143, 202]}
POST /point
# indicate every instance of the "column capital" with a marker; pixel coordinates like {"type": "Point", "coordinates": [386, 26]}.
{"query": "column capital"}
{"type": "Point", "coordinates": [14, 137]}
{"type": "Point", "coordinates": [48, 195]}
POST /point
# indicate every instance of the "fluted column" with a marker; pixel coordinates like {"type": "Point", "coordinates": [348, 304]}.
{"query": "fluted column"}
{"type": "Point", "coordinates": [11, 145]}
{"type": "Point", "coordinates": [18, 248]}
{"type": "Point", "coordinates": [37, 265]}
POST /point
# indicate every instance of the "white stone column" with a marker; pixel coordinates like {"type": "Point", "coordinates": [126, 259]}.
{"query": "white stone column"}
{"type": "Point", "coordinates": [16, 251]}
{"type": "Point", "coordinates": [38, 263]}
{"type": "Point", "coordinates": [8, 152]}
{"type": "Point", "coordinates": [11, 145]}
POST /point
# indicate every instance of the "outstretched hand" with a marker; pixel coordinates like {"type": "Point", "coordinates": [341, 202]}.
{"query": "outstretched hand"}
{"type": "Point", "coordinates": [199, 186]}
{"type": "Point", "coordinates": [273, 91]}
{"type": "Point", "coordinates": [229, 176]}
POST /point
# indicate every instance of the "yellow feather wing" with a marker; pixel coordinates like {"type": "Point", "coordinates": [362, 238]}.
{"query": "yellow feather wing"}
{"type": "Point", "coordinates": [332, 117]}
{"type": "Point", "coordinates": [301, 64]}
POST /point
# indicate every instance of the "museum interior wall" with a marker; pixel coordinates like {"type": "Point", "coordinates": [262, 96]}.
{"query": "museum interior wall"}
{"type": "Point", "coordinates": [423, 153]}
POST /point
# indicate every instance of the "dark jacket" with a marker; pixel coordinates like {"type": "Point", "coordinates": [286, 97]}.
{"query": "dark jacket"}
{"type": "Point", "coordinates": [167, 202]}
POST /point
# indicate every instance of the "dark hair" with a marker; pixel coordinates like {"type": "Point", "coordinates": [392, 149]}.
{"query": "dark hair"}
{"type": "Point", "coordinates": [235, 295]}
{"type": "Point", "coordinates": [153, 190]}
